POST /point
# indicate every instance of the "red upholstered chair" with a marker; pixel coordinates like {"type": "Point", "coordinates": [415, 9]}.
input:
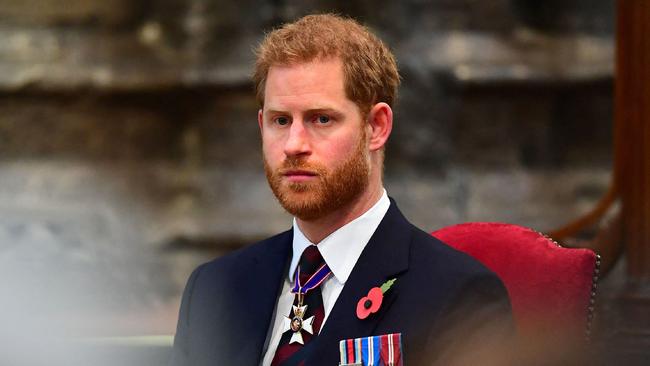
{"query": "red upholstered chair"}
{"type": "Point", "coordinates": [551, 288]}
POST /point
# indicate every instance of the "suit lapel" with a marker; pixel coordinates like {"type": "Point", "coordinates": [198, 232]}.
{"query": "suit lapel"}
{"type": "Point", "coordinates": [384, 257]}
{"type": "Point", "coordinates": [264, 279]}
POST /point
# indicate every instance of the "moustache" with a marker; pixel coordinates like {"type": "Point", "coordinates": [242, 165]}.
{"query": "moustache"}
{"type": "Point", "coordinates": [300, 165]}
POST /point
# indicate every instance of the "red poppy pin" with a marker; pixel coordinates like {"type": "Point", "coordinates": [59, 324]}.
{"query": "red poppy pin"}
{"type": "Point", "coordinates": [370, 304]}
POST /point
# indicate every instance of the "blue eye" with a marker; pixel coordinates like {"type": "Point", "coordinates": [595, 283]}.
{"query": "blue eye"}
{"type": "Point", "coordinates": [323, 119]}
{"type": "Point", "coordinates": [282, 121]}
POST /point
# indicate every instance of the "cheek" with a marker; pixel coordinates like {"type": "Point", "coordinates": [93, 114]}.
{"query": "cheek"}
{"type": "Point", "coordinates": [338, 151]}
{"type": "Point", "coordinates": [270, 156]}
{"type": "Point", "coordinates": [271, 147]}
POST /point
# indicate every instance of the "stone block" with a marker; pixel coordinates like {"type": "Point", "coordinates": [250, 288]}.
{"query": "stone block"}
{"type": "Point", "coordinates": [71, 12]}
{"type": "Point", "coordinates": [86, 127]}
{"type": "Point", "coordinates": [587, 16]}
{"type": "Point", "coordinates": [540, 199]}
{"type": "Point", "coordinates": [229, 132]}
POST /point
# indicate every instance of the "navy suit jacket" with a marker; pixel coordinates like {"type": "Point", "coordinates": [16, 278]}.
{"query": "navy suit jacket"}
{"type": "Point", "coordinates": [228, 304]}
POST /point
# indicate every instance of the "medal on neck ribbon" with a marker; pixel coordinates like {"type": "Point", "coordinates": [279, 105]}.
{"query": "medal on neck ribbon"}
{"type": "Point", "coordinates": [297, 323]}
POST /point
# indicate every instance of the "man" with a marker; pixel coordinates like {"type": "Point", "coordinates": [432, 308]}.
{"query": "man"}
{"type": "Point", "coordinates": [326, 87]}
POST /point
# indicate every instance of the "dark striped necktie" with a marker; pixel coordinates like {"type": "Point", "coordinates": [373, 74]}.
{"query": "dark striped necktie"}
{"type": "Point", "coordinates": [289, 353]}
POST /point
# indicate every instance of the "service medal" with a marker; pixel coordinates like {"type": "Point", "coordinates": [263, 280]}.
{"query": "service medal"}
{"type": "Point", "coordinates": [298, 323]}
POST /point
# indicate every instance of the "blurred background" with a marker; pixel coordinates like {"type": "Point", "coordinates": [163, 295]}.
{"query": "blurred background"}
{"type": "Point", "coordinates": [130, 153]}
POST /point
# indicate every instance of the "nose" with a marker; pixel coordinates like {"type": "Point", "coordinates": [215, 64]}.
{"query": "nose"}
{"type": "Point", "coordinates": [298, 140]}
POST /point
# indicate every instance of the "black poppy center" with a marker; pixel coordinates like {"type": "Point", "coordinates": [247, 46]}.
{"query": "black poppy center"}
{"type": "Point", "coordinates": [367, 304]}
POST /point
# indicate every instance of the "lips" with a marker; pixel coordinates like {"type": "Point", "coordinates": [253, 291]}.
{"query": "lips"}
{"type": "Point", "coordinates": [298, 172]}
{"type": "Point", "coordinates": [298, 175]}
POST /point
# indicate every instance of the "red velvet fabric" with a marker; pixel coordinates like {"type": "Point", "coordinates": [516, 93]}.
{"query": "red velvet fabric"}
{"type": "Point", "coordinates": [549, 286]}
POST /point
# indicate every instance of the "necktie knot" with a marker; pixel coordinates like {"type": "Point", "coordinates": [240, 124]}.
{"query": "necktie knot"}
{"type": "Point", "coordinates": [310, 261]}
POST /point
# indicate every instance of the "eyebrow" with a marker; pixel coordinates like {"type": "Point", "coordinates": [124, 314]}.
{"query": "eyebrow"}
{"type": "Point", "coordinates": [325, 110]}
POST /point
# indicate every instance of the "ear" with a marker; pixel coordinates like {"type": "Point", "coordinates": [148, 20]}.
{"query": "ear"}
{"type": "Point", "coordinates": [260, 119]}
{"type": "Point", "coordinates": [380, 122]}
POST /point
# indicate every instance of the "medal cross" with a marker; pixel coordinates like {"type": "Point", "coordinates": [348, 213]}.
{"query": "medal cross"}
{"type": "Point", "coordinates": [298, 324]}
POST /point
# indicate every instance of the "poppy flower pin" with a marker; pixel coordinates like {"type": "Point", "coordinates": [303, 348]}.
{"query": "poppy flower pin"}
{"type": "Point", "coordinates": [371, 303]}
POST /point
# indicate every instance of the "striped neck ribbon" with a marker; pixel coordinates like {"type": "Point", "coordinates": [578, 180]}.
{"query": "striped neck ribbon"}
{"type": "Point", "coordinates": [321, 274]}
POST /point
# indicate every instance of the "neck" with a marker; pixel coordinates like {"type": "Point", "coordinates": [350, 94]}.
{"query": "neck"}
{"type": "Point", "coordinates": [318, 229]}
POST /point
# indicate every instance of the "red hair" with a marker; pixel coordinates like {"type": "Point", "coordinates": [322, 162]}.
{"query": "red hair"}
{"type": "Point", "coordinates": [369, 68]}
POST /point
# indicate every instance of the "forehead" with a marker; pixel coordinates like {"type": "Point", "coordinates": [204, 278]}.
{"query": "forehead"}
{"type": "Point", "coordinates": [321, 78]}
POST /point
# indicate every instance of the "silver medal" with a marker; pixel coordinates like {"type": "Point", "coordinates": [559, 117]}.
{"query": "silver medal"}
{"type": "Point", "coordinates": [298, 324]}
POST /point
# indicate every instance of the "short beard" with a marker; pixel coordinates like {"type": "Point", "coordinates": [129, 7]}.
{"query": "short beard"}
{"type": "Point", "coordinates": [332, 191]}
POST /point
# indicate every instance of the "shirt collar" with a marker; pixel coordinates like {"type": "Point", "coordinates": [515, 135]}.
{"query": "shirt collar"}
{"type": "Point", "coordinates": [342, 248]}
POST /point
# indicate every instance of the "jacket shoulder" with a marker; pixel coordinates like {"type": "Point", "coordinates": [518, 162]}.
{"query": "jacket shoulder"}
{"type": "Point", "coordinates": [452, 272]}
{"type": "Point", "coordinates": [454, 295]}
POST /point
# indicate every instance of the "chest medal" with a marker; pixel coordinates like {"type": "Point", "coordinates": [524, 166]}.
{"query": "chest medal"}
{"type": "Point", "coordinates": [297, 322]}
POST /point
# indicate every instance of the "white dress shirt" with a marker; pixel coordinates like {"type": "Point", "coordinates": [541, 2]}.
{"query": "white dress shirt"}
{"type": "Point", "coordinates": [341, 250]}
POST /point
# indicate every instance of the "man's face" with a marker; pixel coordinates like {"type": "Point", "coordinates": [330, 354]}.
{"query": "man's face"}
{"type": "Point", "coordinates": [314, 139]}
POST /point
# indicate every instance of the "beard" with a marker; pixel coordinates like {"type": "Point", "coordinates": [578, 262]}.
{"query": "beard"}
{"type": "Point", "coordinates": [328, 192]}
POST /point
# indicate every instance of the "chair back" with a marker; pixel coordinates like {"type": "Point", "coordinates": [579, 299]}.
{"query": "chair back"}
{"type": "Point", "coordinates": [551, 288]}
